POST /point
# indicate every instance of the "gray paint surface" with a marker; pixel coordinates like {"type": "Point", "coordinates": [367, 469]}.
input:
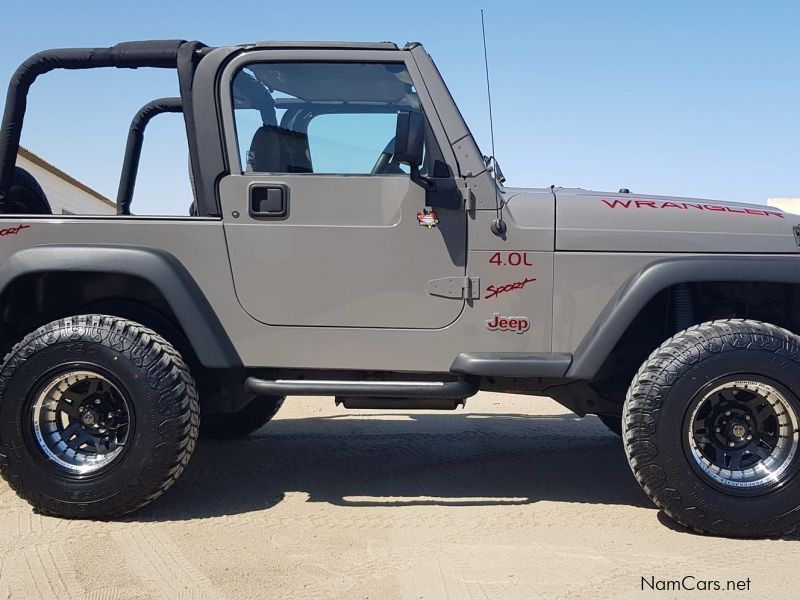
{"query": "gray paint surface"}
{"type": "Point", "coordinates": [341, 283]}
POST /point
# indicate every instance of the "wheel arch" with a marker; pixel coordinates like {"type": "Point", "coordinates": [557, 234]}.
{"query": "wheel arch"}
{"type": "Point", "coordinates": [151, 279]}
{"type": "Point", "coordinates": [645, 286]}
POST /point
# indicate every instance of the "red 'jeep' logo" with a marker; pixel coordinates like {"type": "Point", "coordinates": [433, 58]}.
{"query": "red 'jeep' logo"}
{"type": "Point", "coordinates": [515, 324]}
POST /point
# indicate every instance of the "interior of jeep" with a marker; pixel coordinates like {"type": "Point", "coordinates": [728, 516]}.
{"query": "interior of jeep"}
{"type": "Point", "coordinates": [291, 118]}
{"type": "Point", "coordinates": [332, 118]}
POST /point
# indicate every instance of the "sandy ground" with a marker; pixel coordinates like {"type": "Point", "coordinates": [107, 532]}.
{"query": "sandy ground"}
{"type": "Point", "coordinates": [510, 498]}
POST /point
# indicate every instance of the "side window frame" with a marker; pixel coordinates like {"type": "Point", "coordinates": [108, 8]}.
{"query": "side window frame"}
{"type": "Point", "coordinates": [233, 167]}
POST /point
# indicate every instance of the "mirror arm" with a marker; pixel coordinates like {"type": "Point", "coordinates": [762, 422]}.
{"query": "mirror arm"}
{"type": "Point", "coordinates": [426, 182]}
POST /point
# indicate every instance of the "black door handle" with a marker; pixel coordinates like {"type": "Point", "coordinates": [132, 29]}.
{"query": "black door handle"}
{"type": "Point", "coordinates": [269, 201]}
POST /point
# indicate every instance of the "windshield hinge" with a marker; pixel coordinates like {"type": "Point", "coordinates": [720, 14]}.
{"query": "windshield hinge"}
{"type": "Point", "coordinates": [467, 195]}
{"type": "Point", "coordinates": [455, 287]}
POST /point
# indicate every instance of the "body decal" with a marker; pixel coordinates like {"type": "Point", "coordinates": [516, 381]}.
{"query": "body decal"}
{"type": "Point", "coordinates": [501, 323]}
{"type": "Point", "coordinates": [13, 230]}
{"type": "Point", "coordinates": [692, 206]}
{"type": "Point", "coordinates": [427, 218]}
{"type": "Point", "coordinates": [510, 259]}
{"type": "Point", "coordinates": [493, 291]}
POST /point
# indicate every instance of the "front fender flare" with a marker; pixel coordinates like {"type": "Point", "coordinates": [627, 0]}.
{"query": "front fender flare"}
{"type": "Point", "coordinates": [643, 285]}
{"type": "Point", "coordinates": [159, 268]}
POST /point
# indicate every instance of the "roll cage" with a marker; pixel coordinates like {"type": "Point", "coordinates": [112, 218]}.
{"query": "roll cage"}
{"type": "Point", "coordinates": [181, 55]}
{"type": "Point", "coordinates": [207, 147]}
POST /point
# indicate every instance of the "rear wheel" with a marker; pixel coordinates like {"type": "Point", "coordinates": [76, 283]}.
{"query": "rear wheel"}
{"type": "Point", "coordinates": [712, 428]}
{"type": "Point", "coordinates": [257, 413]}
{"type": "Point", "coordinates": [98, 417]}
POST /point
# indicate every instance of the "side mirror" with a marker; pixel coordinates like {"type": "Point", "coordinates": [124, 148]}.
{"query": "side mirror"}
{"type": "Point", "coordinates": [409, 141]}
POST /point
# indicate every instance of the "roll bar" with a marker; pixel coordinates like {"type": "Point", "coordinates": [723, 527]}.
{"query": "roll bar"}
{"type": "Point", "coordinates": [160, 54]}
{"type": "Point", "coordinates": [133, 148]}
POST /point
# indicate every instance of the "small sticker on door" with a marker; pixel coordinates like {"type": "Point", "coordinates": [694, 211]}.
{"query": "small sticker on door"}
{"type": "Point", "coordinates": [428, 218]}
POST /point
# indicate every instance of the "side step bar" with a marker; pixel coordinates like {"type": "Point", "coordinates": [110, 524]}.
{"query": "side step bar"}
{"type": "Point", "coordinates": [365, 389]}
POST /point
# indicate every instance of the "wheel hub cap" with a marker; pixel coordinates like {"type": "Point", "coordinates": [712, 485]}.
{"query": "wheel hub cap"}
{"type": "Point", "coordinates": [744, 434]}
{"type": "Point", "coordinates": [80, 421]}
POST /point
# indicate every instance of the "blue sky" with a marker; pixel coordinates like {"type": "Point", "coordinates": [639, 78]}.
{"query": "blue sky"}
{"type": "Point", "coordinates": [680, 97]}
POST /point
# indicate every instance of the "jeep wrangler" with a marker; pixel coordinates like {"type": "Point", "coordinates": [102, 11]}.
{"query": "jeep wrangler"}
{"type": "Point", "coordinates": [347, 238]}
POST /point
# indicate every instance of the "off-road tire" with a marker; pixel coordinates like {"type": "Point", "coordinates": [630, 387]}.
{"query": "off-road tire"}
{"type": "Point", "coordinates": [656, 409]}
{"type": "Point", "coordinates": [164, 419]}
{"type": "Point", "coordinates": [228, 426]}
{"type": "Point", "coordinates": [25, 196]}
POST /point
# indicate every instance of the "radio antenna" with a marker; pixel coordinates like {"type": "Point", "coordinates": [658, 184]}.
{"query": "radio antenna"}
{"type": "Point", "coordinates": [498, 225]}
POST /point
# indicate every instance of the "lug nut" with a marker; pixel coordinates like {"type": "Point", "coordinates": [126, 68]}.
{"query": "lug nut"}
{"type": "Point", "coordinates": [731, 444]}
{"type": "Point", "coordinates": [749, 437]}
{"type": "Point", "coordinates": [97, 401]}
{"type": "Point", "coordinates": [747, 417]}
{"type": "Point", "coordinates": [718, 430]}
{"type": "Point", "coordinates": [727, 413]}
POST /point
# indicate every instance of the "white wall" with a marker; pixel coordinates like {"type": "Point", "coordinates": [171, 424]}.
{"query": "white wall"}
{"type": "Point", "coordinates": [66, 195]}
{"type": "Point", "coordinates": [790, 205]}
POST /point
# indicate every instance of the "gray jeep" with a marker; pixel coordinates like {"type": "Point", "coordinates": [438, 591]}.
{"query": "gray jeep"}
{"type": "Point", "coordinates": [347, 238]}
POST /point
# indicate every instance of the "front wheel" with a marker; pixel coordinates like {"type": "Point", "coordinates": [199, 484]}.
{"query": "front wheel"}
{"type": "Point", "coordinates": [712, 428]}
{"type": "Point", "coordinates": [229, 426]}
{"type": "Point", "coordinates": [98, 417]}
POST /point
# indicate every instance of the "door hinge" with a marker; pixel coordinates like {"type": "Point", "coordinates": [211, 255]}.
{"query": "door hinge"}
{"type": "Point", "coordinates": [466, 194]}
{"type": "Point", "coordinates": [455, 287]}
{"type": "Point", "coordinates": [796, 231]}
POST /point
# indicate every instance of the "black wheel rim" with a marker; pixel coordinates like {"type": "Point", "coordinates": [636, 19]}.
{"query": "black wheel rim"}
{"type": "Point", "coordinates": [743, 435]}
{"type": "Point", "coordinates": [81, 421]}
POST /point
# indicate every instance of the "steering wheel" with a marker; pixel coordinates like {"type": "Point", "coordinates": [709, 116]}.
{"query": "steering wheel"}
{"type": "Point", "coordinates": [385, 164]}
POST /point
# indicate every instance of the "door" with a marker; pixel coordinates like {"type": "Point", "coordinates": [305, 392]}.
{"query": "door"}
{"type": "Point", "coordinates": [324, 228]}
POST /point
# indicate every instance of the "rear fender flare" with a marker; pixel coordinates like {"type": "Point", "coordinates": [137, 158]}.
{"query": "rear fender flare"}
{"type": "Point", "coordinates": [161, 269]}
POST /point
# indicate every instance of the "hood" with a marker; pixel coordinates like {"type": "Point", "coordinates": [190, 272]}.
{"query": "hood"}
{"type": "Point", "coordinates": [614, 222]}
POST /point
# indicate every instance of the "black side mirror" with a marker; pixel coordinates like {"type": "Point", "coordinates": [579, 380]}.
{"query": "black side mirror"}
{"type": "Point", "coordinates": [409, 141]}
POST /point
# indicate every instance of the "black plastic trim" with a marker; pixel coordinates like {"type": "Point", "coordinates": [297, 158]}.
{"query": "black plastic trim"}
{"type": "Point", "coordinates": [361, 389]}
{"type": "Point", "coordinates": [127, 55]}
{"type": "Point", "coordinates": [133, 148]}
{"type": "Point", "coordinates": [162, 54]}
{"type": "Point", "coordinates": [512, 364]}
{"type": "Point", "coordinates": [301, 45]}
{"type": "Point", "coordinates": [195, 315]}
{"type": "Point", "coordinates": [642, 286]}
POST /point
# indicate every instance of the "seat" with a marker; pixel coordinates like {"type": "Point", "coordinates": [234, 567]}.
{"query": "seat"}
{"type": "Point", "coordinates": [276, 149]}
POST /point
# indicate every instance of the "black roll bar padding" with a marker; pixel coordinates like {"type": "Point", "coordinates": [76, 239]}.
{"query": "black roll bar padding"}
{"type": "Point", "coordinates": [161, 54]}
{"type": "Point", "coordinates": [264, 102]}
{"type": "Point", "coordinates": [133, 148]}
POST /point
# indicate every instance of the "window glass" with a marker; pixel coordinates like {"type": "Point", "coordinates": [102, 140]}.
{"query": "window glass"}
{"type": "Point", "coordinates": [349, 143]}
{"type": "Point", "coordinates": [331, 118]}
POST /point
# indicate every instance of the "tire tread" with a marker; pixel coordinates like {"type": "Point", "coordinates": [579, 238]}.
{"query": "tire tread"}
{"type": "Point", "coordinates": [177, 403]}
{"type": "Point", "coordinates": [643, 404]}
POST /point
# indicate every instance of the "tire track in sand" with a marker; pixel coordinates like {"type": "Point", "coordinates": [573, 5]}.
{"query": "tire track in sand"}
{"type": "Point", "coordinates": [163, 570]}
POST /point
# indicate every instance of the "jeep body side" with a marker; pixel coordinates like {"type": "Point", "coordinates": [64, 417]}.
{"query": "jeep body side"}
{"type": "Point", "coordinates": [391, 288]}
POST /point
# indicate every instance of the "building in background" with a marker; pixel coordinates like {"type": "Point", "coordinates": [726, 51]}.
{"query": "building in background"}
{"type": "Point", "coordinates": [790, 205]}
{"type": "Point", "coordinates": [67, 195]}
